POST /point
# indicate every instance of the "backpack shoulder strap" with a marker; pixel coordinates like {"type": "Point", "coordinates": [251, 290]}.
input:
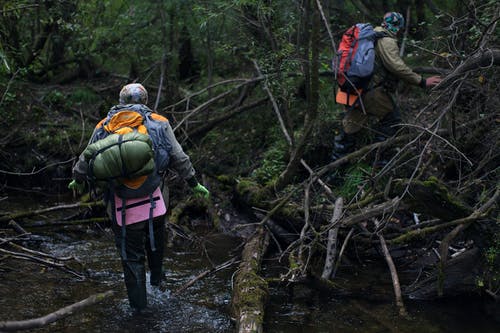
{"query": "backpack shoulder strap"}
{"type": "Point", "coordinates": [99, 132]}
{"type": "Point", "coordinates": [158, 117]}
{"type": "Point", "coordinates": [101, 123]}
{"type": "Point", "coordinates": [380, 34]}
{"type": "Point", "coordinates": [157, 125]}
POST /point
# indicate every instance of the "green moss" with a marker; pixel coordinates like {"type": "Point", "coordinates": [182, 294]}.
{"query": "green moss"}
{"type": "Point", "coordinates": [432, 198]}
{"type": "Point", "coordinates": [273, 163]}
{"type": "Point", "coordinates": [491, 275]}
{"type": "Point", "coordinates": [245, 185]}
{"type": "Point", "coordinates": [291, 212]}
{"type": "Point", "coordinates": [178, 212]}
{"type": "Point", "coordinates": [214, 217]}
{"type": "Point", "coordinates": [255, 291]}
{"type": "Point", "coordinates": [441, 190]}
{"type": "Point", "coordinates": [415, 234]}
{"type": "Point", "coordinates": [292, 262]}
{"type": "Point", "coordinates": [493, 252]}
{"type": "Point", "coordinates": [226, 180]}
{"type": "Point", "coordinates": [192, 207]}
{"type": "Point", "coordinates": [252, 192]}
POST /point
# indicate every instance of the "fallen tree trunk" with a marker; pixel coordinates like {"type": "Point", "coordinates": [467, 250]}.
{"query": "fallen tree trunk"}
{"type": "Point", "coordinates": [250, 290]}
{"type": "Point", "coordinates": [250, 194]}
{"type": "Point", "coordinates": [10, 326]}
{"type": "Point", "coordinates": [431, 197]}
{"type": "Point", "coordinates": [332, 240]}
{"type": "Point", "coordinates": [421, 233]}
{"type": "Point", "coordinates": [364, 214]}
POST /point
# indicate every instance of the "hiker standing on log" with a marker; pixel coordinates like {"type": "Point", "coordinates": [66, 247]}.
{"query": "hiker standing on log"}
{"type": "Point", "coordinates": [141, 224]}
{"type": "Point", "coordinates": [377, 94]}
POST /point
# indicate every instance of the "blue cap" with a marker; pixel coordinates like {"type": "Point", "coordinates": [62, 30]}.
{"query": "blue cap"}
{"type": "Point", "coordinates": [393, 21]}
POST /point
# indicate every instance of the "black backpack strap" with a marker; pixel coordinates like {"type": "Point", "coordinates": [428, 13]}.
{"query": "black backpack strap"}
{"type": "Point", "coordinates": [381, 34]}
{"type": "Point", "coordinates": [151, 234]}
{"type": "Point", "coordinates": [113, 216]}
{"type": "Point", "coordinates": [124, 229]}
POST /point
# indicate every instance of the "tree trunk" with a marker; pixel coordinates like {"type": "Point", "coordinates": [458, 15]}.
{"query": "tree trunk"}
{"type": "Point", "coordinates": [250, 290]}
{"type": "Point", "coordinates": [431, 197]}
{"type": "Point", "coordinates": [332, 240]}
{"type": "Point", "coordinates": [312, 109]}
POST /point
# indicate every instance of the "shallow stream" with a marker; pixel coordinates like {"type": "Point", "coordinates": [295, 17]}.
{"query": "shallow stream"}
{"type": "Point", "coordinates": [29, 291]}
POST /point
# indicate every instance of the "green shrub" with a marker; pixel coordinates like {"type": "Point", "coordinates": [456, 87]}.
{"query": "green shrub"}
{"type": "Point", "coordinates": [273, 163]}
{"type": "Point", "coordinates": [82, 96]}
{"type": "Point", "coordinates": [354, 179]}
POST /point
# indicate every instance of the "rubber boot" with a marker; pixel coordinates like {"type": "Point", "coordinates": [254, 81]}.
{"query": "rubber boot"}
{"type": "Point", "coordinates": [343, 144]}
{"type": "Point", "coordinates": [134, 271]}
{"type": "Point", "coordinates": [155, 258]}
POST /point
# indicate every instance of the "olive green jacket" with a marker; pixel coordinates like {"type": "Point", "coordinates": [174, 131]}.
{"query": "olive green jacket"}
{"type": "Point", "coordinates": [390, 68]}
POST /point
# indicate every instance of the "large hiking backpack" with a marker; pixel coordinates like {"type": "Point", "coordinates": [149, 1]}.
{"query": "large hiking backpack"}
{"type": "Point", "coordinates": [120, 156]}
{"type": "Point", "coordinates": [355, 61]}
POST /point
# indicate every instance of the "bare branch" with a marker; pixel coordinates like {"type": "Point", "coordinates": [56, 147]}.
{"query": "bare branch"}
{"type": "Point", "coordinates": [332, 240]}
{"type": "Point", "coordinates": [394, 275]}
{"type": "Point", "coordinates": [10, 326]}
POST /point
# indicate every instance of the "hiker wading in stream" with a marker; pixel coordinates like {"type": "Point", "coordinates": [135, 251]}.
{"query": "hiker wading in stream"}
{"type": "Point", "coordinates": [130, 134]}
{"type": "Point", "coordinates": [377, 91]}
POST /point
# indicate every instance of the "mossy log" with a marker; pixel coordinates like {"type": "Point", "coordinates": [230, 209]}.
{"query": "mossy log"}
{"type": "Point", "coordinates": [287, 214]}
{"type": "Point", "coordinates": [181, 212]}
{"type": "Point", "coordinates": [432, 198]}
{"type": "Point", "coordinates": [252, 194]}
{"type": "Point", "coordinates": [422, 233]}
{"type": "Point", "coordinates": [251, 290]}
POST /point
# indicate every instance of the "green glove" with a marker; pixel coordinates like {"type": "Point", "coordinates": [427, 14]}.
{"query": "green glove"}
{"type": "Point", "coordinates": [76, 186]}
{"type": "Point", "coordinates": [201, 191]}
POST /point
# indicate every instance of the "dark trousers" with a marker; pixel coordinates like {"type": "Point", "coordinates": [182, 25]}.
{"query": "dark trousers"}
{"type": "Point", "coordinates": [136, 241]}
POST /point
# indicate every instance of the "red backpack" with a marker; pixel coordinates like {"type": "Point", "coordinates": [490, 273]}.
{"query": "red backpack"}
{"type": "Point", "coordinates": [355, 61]}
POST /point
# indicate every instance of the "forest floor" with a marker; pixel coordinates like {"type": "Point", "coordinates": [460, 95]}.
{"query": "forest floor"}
{"type": "Point", "coordinates": [50, 126]}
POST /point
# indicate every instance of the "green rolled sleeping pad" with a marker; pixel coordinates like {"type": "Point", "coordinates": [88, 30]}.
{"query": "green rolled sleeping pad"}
{"type": "Point", "coordinates": [110, 159]}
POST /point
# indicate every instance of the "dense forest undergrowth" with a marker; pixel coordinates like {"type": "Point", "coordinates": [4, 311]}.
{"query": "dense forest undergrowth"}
{"type": "Point", "coordinates": [255, 110]}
